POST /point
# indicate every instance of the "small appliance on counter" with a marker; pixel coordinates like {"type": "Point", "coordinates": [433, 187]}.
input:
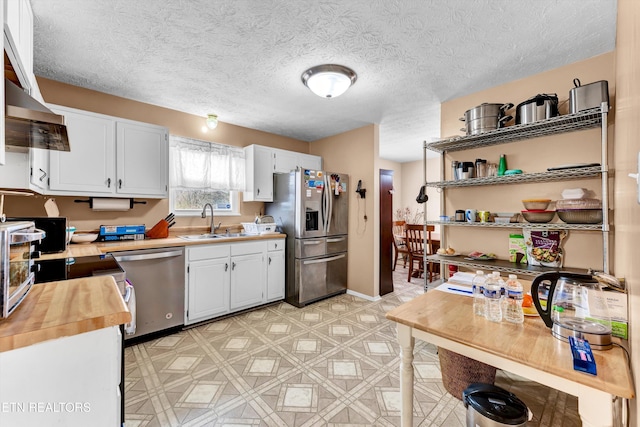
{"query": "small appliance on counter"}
{"type": "Point", "coordinates": [575, 306]}
{"type": "Point", "coordinates": [17, 243]}
{"type": "Point", "coordinates": [55, 229]}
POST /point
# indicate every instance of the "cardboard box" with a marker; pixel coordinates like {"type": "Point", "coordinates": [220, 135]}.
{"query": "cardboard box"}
{"type": "Point", "coordinates": [617, 304]}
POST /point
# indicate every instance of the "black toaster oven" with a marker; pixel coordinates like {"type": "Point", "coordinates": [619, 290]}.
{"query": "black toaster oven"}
{"type": "Point", "coordinates": [55, 229]}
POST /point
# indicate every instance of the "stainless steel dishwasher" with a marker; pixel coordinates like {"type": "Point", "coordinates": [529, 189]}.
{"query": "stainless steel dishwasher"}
{"type": "Point", "coordinates": [157, 276]}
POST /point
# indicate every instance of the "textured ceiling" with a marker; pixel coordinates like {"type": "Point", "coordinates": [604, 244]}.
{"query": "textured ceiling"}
{"type": "Point", "coordinates": [242, 59]}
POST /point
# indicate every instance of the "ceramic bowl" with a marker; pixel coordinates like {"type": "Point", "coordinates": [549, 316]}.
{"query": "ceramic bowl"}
{"type": "Point", "coordinates": [538, 216]}
{"type": "Point", "coordinates": [84, 237]}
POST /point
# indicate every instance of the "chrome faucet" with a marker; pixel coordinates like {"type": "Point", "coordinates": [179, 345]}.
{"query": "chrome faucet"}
{"type": "Point", "coordinates": [212, 229]}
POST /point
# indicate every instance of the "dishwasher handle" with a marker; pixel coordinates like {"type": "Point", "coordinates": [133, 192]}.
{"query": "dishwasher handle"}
{"type": "Point", "coordinates": [144, 257]}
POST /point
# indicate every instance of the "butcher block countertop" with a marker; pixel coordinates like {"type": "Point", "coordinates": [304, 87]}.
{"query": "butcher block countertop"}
{"type": "Point", "coordinates": [531, 344]}
{"type": "Point", "coordinates": [58, 309]}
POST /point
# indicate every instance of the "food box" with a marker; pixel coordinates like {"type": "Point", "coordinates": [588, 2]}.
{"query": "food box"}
{"type": "Point", "coordinates": [253, 228]}
{"type": "Point", "coordinates": [617, 305]}
{"type": "Point", "coordinates": [517, 249]}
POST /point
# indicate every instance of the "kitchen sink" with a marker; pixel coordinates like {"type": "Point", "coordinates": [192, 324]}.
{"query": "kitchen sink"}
{"type": "Point", "coordinates": [209, 236]}
{"type": "Point", "coordinates": [200, 236]}
{"type": "Point", "coordinates": [232, 235]}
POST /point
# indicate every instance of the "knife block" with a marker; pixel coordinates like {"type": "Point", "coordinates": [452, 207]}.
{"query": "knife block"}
{"type": "Point", "coordinates": [159, 231]}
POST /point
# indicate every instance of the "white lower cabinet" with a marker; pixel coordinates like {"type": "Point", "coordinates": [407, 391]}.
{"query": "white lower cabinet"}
{"type": "Point", "coordinates": [223, 278]}
{"type": "Point", "coordinates": [74, 385]}
{"type": "Point", "coordinates": [275, 270]}
{"type": "Point", "coordinates": [247, 280]}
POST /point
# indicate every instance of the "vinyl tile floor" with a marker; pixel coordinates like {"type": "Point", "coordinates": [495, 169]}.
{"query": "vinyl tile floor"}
{"type": "Point", "coordinates": [333, 363]}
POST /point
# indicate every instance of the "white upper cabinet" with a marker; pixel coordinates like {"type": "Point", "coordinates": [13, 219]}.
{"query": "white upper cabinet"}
{"type": "Point", "coordinates": [262, 162]}
{"type": "Point", "coordinates": [90, 165]}
{"type": "Point", "coordinates": [259, 174]}
{"type": "Point", "coordinates": [287, 161]}
{"type": "Point", "coordinates": [18, 39]}
{"type": "Point", "coordinates": [142, 159]}
{"type": "Point", "coordinates": [110, 157]}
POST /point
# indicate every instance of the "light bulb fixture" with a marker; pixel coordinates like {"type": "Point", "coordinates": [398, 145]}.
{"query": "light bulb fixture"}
{"type": "Point", "coordinates": [212, 121]}
{"type": "Point", "coordinates": [329, 80]}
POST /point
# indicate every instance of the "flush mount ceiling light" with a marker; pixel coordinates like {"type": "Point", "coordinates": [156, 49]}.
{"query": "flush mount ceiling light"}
{"type": "Point", "coordinates": [212, 121]}
{"type": "Point", "coordinates": [329, 80]}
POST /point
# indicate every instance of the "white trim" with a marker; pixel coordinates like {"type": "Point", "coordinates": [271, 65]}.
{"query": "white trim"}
{"type": "Point", "coordinates": [363, 296]}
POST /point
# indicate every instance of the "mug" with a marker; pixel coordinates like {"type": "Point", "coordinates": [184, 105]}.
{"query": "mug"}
{"type": "Point", "coordinates": [470, 215]}
{"type": "Point", "coordinates": [484, 216]}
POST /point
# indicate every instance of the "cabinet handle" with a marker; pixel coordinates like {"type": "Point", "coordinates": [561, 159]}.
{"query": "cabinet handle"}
{"type": "Point", "coordinates": [108, 182]}
{"type": "Point", "coordinates": [275, 246]}
{"type": "Point", "coordinates": [119, 183]}
{"type": "Point", "coordinates": [226, 266]}
{"type": "Point", "coordinates": [269, 260]}
{"type": "Point", "coordinates": [233, 265]}
{"type": "Point", "coordinates": [43, 176]}
{"type": "Point", "coordinates": [258, 192]}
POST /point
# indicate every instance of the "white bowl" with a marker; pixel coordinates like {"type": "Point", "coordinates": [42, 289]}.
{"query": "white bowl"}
{"type": "Point", "coordinates": [84, 237]}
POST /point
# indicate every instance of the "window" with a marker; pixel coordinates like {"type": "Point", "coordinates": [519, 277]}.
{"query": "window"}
{"type": "Point", "coordinates": [205, 172]}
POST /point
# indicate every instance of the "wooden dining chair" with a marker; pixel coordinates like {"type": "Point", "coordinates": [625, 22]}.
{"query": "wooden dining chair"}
{"type": "Point", "coordinates": [399, 245]}
{"type": "Point", "coordinates": [416, 244]}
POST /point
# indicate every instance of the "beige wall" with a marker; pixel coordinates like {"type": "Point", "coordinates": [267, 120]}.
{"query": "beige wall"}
{"type": "Point", "coordinates": [413, 178]}
{"type": "Point", "coordinates": [626, 147]}
{"type": "Point", "coordinates": [355, 153]}
{"type": "Point", "coordinates": [178, 123]}
{"type": "Point", "coordinates": [582, 249]}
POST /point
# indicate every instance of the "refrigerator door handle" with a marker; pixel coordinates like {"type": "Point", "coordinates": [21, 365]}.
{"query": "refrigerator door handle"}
{"type": "Point", "coordinates": [336, 240]}
{"type": "Point", "coordinates": [329, 202]}
{"type": "Point", "coordinates": [313, 242]}
{"type": "Point", "coordinates": [323, 260]}
{"type": "Point", "coordinates": [325, 205]}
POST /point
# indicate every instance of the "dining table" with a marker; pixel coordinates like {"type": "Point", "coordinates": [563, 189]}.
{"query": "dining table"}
{"type": "Point", "coordinates": [446, 320]}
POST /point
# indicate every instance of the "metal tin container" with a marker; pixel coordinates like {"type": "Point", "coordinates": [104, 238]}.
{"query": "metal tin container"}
{"type": "Point", "coordinates": [588, 96]}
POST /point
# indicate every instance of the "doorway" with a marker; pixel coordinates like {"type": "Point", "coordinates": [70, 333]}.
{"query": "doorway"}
{"type": "Point", "coordinates": [386, 232]}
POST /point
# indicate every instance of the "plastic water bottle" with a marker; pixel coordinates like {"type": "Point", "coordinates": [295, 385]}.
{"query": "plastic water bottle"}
{"type": "Point", "coordinates": [503, 289]}
{"type": "Point", "coordinates": [513, 312]}
{"type": "Point", "coordinates": [493, 310]}
{"type": "Point", "coordinates": [478, 293]}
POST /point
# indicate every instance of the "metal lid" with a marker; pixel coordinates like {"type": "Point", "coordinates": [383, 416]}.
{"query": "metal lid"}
{"type": "Point", "coordinates": [496, 404]}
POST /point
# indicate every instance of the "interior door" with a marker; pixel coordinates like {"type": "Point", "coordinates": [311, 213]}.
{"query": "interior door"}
{"type": "Point", "coordinates": [386, 231]}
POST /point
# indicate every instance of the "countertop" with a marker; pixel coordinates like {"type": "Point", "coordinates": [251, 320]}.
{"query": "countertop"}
{"type": "Point", "coordinates": [531, 344]}
{"type": "Point", "coordinates": [58, 309]}
{"type": "Point", "coordinates": [98, 248]}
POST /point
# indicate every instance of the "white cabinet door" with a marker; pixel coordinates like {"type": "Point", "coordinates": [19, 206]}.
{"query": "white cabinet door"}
{"type": "Point", "coordinates": [90, 165]}
{"type": "Point", "coordinates": [259, 174]}
{"type": "Point", "coordinates": [275, 275]}
{"type": "Point", "coordinates": [208, 289]}
{"type": "Point", "coordinates": [308, 161]}
{"type": "Point", "coordinates": [247, 279]}
{"type": "Point", "coordinates": [285, 161]}
{"type": "Point", "coordinates": [142, 153]}
{"type": "Point", "coordinates": [19, 34]}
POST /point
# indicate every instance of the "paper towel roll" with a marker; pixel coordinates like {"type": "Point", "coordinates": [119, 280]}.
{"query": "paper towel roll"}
{"type": "Point", "coordinates": [108, 204]}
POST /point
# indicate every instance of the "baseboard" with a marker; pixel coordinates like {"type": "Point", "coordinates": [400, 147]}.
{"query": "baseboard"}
{"type": "Point", "coordinates": [363, 296]}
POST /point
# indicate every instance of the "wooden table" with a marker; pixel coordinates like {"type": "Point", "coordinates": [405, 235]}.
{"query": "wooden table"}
{"type": "Point", "coordinates": [528, 350]}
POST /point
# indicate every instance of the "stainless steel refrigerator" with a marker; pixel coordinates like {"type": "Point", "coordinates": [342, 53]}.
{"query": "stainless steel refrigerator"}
{"type": "Point", "coordinates": [312, 207]}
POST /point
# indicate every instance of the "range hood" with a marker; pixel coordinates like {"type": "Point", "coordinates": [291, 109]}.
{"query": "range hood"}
{"type": "Point", "coordinates": [30, 124]}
